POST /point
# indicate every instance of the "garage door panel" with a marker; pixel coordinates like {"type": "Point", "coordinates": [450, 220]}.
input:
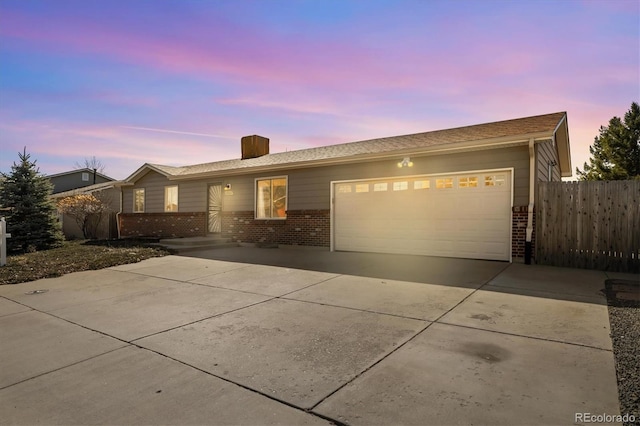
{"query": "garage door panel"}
{"type": "Point", "coordinates": [471, 217]}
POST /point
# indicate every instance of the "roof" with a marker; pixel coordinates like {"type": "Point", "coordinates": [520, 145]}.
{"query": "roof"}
{"type": "Point", "coordinates": [84, 170]}
{"type": "Point", "coordinates": [541, 127]}
{"type": "Point", "coordinates": [88, 189]}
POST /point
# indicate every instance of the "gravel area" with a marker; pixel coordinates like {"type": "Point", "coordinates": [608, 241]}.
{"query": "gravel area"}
{"type": "Point", "coordinates": [623, 297]}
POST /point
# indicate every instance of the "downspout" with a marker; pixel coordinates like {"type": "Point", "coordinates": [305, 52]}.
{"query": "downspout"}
{"type": "Point", "coordinates": [532, 181]}
{"type": "Point", "coordinates": [118, 214]}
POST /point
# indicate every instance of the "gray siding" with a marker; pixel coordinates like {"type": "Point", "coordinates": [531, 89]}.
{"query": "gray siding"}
{"type": "Point", "coordinates": [192, 195]}
{"type": "Point", "coordinates": [74, 180]}
{"type": "Point", "coordinates": [309, 189]}
{"type": "Point", "coordinates": [545, 153]}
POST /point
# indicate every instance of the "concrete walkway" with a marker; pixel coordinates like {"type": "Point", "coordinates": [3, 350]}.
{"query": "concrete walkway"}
{"type": "Point", "coordinates": [325, 337]}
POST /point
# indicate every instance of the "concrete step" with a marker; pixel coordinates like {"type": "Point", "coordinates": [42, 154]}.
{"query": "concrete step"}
{"type": "Point", "coordinates": [182, 245]}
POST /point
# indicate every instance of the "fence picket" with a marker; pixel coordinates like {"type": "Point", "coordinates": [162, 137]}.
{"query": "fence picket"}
{"type": "Point", "coordinates": [593, 225]}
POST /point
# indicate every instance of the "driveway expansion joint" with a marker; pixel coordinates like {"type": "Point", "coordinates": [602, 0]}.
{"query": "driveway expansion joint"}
{"type": "Point", "coordinates": [63, 367]}
{"type": "Point", "coordinates": [525, 336]}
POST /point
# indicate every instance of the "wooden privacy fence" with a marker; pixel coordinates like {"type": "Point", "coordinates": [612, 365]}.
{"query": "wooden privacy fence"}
{"type": "Point", "coordinates": [592, 225]}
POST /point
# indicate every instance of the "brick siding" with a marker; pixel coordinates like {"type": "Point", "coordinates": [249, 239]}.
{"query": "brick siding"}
{"type": "Point", "coordinates": [301, 227]}
{"type": "Point", "coordinates": [163, 225]}
{"type": "Point", "coordinates": [519, 231]}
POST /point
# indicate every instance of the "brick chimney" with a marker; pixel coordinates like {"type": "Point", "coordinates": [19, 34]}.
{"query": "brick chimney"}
{"type": "Point", "coordinates": [254, 146]}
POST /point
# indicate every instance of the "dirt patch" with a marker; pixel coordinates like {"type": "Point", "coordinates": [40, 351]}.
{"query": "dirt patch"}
{"type": "Point", "coordinates": [623, 299]}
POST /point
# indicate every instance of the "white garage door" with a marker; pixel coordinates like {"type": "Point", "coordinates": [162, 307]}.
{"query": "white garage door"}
{"type": "Point", "coordinates": [463, 215]}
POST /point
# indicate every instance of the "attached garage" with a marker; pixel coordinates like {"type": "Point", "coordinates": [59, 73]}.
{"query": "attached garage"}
{"type": "Point", "coordinates": [462, 192]}
{"type": "Point", "coordinates": [466, 214]}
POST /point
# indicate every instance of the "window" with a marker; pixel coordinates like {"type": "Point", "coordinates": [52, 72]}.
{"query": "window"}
{"type": "Point", "coordinates": [382, 186]}
{"type": "Point", "coordinates": [494, 180]}
{"type": "Point", "coordinates": [400, 186]}
{"type": "Point", "coordinates": [421, 184]}
{"type": "Point", "coordinates": [171, 198]}
{"type": "Point", "coordinates": [444, 183]}
{"type": "Point", "coordinates": [362, 187]}
{"type": "Point", "coordinates": [468, 182]}
{"type": "Point", "coordinates": [85, 177]}
{"type": "Point", "coordinates": [138, 200]}
{"type": "Point", "coordinates": [344, 189]}
{"type": "Point", "coordinates": [271, 198]}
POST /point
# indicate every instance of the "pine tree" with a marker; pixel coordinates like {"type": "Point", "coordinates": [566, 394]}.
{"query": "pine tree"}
{"type": "Point", "coordinates": [615, 153]}
{"type": "Point", "coordinates": [29, 210]}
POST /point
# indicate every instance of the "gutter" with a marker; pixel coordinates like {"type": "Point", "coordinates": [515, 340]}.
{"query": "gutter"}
{"type": "Point", "coordinates": [386, 155]}
{"type": "Point", "coordinates": [529, 231]}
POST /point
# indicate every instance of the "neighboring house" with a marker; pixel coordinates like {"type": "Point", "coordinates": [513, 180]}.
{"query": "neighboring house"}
{"type": "Point", "coordinates": [108, 192]}
{"type": "Point", "coordinates": [76, 179]}
{"type": "Point", "coordinates": [464, 192]}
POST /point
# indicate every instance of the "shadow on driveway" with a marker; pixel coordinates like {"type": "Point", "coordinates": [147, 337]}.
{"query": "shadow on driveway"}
{"type": "Point", "coordinates": [465, 273]}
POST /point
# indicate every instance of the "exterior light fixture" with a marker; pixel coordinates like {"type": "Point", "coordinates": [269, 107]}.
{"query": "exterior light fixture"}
{"type": "Point", "coordinates": [227, 187]}
{"type": "Point", "coordinates": [406, 162]}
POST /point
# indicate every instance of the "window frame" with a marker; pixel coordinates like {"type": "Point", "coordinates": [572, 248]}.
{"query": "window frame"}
{"type": "Point", "coordinates": [144, 199]}
{"type": "Point", "coordinates": [255, 197]}
{"type": "Point", "coordinates": [166, 189]}
{"type": "Point", "coordinates": [85, 177]}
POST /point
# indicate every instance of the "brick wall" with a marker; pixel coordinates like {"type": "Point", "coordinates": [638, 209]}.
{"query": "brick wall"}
{"type": "Point", "coordinates": [163, 225]}
{"type": "Point", "coordinates": [519, 231]}
{"type": "Point", "coordinates": [301, 227]}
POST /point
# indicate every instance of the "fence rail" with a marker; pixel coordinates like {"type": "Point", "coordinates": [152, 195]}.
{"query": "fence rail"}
{"type": "Point", "coordinates": [591, 225]}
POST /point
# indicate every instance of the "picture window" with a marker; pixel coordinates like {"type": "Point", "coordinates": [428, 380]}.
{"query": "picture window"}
{"type": "Point", "coordinates": [271, 198]}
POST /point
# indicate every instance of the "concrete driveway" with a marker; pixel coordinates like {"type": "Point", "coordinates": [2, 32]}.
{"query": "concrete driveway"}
{"type": "Point", "coordinates": [321, 338]}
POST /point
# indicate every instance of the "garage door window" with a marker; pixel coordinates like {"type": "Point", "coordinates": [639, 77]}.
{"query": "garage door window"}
{"type": "Point", "coordinates": [344, 189]}
{"type": "Point", "coordinates": [468, 182]}
{"type": "Point", "coordinates": [494, 180]}
{"type": "Point", "coordinates": [444, 183]}
{"type": "Point", "coordinates": [400, 186]}
{"type": "Point", "coordinates": [363, 187]}
{"type": "Point", "coordinates": [380, 186]}
{"type": "Point", "coordinates": [421, 184]}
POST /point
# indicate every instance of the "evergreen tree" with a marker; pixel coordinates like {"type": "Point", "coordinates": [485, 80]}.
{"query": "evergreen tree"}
{"type": "Point", "coordinates": [615, 153]}
{"type": "Point", "coordinates": [30, 212]}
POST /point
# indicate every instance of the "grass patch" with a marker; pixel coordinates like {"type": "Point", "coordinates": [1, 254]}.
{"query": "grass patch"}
{"type": "Point", "coordinates": [75, 256]}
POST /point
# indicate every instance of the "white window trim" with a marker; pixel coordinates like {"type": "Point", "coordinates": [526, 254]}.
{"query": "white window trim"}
{"type": "Point", "coordinates": [85, 177]}
{"type": "Point", "coordinates": [177, 199]}
{"type": "Point", "coordinates": [144, 200]}
{"type": "Point", "coordinates": [255, 197]}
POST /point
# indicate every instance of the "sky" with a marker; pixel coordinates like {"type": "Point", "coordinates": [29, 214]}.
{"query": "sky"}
{"type": "Point", "coordinates": [180, 82]}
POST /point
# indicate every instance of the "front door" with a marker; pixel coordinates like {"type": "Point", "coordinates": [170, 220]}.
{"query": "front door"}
{"type": "Point", "coordinates": [214, 208]}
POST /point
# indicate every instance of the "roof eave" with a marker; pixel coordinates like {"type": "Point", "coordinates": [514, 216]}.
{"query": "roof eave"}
{"type": "Point", "coordinates": [141, 171]}
{"type": "Point", "coordinates": [431, 150]}
{"type": "Point", "coordinates": [561, 135]}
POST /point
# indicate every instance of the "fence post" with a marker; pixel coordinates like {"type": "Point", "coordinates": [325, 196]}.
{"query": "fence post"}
{"type": "Point", "coordinates": [3, 241]}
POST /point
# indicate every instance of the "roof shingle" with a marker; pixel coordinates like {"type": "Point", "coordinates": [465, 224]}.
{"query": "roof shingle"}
{"type": "Point", "coordinates": [516, 127]}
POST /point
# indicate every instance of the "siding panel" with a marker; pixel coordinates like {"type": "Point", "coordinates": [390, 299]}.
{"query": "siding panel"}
{"type": "Point", "coordinates": [309, 189]}
{"type": "Point", "coordinates": [545, 153]}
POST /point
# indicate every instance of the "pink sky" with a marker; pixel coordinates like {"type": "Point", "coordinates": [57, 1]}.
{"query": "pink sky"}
{"type": "Point", "coordinates": [180, 82]}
